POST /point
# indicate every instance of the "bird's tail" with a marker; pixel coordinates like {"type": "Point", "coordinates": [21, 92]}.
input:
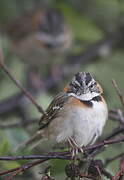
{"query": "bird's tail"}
{"type": "Point", "coordinates": [30, 143]}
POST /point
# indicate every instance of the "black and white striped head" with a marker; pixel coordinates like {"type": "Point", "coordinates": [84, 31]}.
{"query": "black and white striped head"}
{"type": "Point", "coordinates": [84, 86]}
{"type": "Point", "coordinates": [53, 31]}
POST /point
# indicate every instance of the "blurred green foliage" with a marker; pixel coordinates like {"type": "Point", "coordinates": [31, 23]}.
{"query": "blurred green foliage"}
{"type": "Point", "coordinates": [89, 20]}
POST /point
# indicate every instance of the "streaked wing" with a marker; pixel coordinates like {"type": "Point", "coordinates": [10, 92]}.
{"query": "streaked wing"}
{"type": "Point", "coordinates": [53, 109]}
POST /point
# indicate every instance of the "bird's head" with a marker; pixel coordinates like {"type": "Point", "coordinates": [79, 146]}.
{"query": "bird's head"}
{"type": "Point", "coordinates": [83, 86]}
{"type": "Point", "coordinates": [53, 31]}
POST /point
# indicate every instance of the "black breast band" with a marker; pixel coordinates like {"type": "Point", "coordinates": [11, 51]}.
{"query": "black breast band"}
{"type": "Point", "coordinates": [90, 103]}
{"type": "Point", "coordinates": [97, 98]}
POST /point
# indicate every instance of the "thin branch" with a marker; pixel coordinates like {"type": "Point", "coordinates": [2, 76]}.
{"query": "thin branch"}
{"type": "Point", "coordinates": [103, 143]}
{"type": "Point", "coordinates": [115, 132]}
{"type": "Point", "coordinates": [29, 165]}
{"type": "Point", "coordinates": [23, 167]}
{"type": "Point", "coordinates": [107, 174]}
{"type": "Point", "coordinates": [98, 148]}
{"type": "Point", "coordinates": [116, 116]}
{"type": "Point", "coordinates": [118, 91]}
{"type": "Point", "coordinates": [120, 174]}
{"type": "Point", "coordinates": [109, 160]}
{"type": "Point", "coordinates": [17, 83]}
{"type": "Point", "coordinates": [56, 155]}
{"type": "Point", "coordinates": [62, 155]}
{"type": "Point", "coordinates": [32, 157]}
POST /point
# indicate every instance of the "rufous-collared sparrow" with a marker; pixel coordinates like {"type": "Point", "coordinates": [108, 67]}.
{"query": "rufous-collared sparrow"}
{"type": "Point", "coordinates": [76, 115]}
{"type": "Point", "coordinates": [39, 36]}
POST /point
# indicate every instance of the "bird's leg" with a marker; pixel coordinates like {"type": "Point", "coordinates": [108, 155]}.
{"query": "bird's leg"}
{"type": "Point", "coordinates": [73, 149]}
{"type": "Point", "coordinates": [76, 146]}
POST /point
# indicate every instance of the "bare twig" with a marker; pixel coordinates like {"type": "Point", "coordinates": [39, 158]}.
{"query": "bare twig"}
{"type": "Point", "coordinates": [98, 148]}
{"type": "Point", "coordinates": [103, 143]}
{"type": "Point", "coordinates": [32, 157]}
{"type": "Point", "coordinates": [57, 155]}
{"type": "Point", "coordinates": [36, 137]}
{"type": "Point", "coordinates": [118, 91]}
{"type": "Point", "coordinates": [115, 132]}
{"type": "Point", "coordinates": [17, 83]}
{"type": "Point", "coordinates": [24, 167]}
{"type": "Point", "coordinates": [30, 97]}
{"type": "Point", "coordinates": [97, 170]}
{"type": "Point", "coordinates": [116, 116]}
{"type": "Point", "coordinates": [109, 160]}
{"type": "Point", "coordinates": [107, 174]}
{"type": "Point", "coordinates": [29, 165]}
{"type": "Point", "coordinates": [120, 174]}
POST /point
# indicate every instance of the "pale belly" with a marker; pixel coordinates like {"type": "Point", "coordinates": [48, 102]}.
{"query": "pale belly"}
{"type": "Point", "coordinates": [83, 125]}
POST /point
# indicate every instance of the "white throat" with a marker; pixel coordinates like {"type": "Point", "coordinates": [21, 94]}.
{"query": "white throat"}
{"type": "Point", "coordinates": [85, 97]}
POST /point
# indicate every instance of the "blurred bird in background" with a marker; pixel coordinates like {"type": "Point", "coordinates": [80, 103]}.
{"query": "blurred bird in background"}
{"type": "Point", "coordinates": [41, 38]}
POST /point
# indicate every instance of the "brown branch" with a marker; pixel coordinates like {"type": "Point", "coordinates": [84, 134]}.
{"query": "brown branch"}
{"type": "Point", "coordinates": [23, 167]}
{"type": "Point", "coordinates": [120, 174]}
{"type": "Point", "coordinates": [62, 155]}
{"type": "Point", "coordinates": [43, 158]}
{"type": "Point", "coordinates": [103, 143]}
{"type": "Point", "coordinates": [32, 157]}
{"type": "Point", "coordinates": [98, 148]}
{"type": "Point", "coordinates": [56, 155]}
{"type": "Point", "coordinates": [17, 83]}
{"type": "Point", "coordinates": [118, 91]}
{"type": "Point", "coordinates": [96, 169]}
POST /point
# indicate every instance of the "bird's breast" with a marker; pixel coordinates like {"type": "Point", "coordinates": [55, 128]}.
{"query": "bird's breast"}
{"type": "Point", "coordinates": [82, 123]}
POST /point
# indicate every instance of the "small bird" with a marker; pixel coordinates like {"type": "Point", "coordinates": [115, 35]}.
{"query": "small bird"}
{"type": "Point", "coordinates": [76, 115]}
{"type": "Point", "coordinates": [39, 35]}
{"type": "Point", "coordinates": [41, 38]}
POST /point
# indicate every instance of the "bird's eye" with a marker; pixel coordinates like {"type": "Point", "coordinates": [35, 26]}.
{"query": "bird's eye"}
{"type": "Point", "coordinates": [91, 86]}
